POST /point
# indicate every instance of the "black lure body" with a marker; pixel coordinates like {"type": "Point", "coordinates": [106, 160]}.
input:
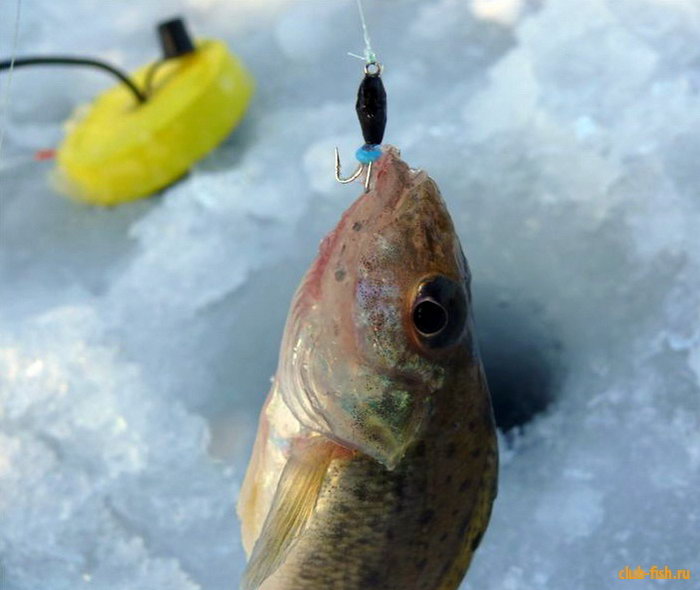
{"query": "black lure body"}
{"type": "Point", "coordinates": [371, 108]}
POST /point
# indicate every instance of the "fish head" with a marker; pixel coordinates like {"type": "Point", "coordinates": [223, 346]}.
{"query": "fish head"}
{"type": "Point", "coordinates": [381, 319]}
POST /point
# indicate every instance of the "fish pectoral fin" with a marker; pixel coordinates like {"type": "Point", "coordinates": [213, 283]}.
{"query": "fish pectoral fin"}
{"type": "Point", "coordinates": [292, 506]}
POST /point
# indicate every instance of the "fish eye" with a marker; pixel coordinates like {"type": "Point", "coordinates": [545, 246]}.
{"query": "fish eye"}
{"type": "Point", "coordinates": [439, 311]}
{"type": "Point", "coordinates": [429, 317]}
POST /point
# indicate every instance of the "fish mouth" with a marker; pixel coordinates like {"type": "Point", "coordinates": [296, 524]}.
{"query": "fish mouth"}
{"type": "Point", "coordinates": [393, 179]}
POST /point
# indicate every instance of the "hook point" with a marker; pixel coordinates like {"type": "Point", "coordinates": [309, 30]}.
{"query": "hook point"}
{"type": "Point", "coordinates": [354, 176]}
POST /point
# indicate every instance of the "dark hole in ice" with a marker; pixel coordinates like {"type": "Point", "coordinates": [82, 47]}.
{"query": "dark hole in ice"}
{"type": "Point", "coordinates": [522, 360]}
{"type": "Point", "coordinates": [520, 388]}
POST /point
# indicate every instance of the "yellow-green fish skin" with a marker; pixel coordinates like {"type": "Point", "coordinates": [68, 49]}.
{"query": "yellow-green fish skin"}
{"type": "Point", "coordinates": [415, 527]}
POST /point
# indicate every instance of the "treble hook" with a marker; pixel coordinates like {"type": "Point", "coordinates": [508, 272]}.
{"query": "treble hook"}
{"type": "Point", "coordinates": [371, 112]}
{"type": "Point", "coordinates": [356, 174]}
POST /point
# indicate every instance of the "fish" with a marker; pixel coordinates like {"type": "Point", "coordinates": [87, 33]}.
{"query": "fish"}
{"type": "Point", "coordinates": [375, 463]}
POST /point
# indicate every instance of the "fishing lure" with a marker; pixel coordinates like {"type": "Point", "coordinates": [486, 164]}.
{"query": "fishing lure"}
{"type": "Point", "coordinates": [372, 114]}
{"type": "Point", "coordinates": [375, 463]}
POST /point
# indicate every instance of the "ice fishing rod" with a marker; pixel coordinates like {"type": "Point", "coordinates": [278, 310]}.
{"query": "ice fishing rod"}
{"type": "Point", "coordinates": [371, 113]}
{"type": "Point", "coordinates": [144, 133]}
{"type": "Point", "coordinates": [175, 42]}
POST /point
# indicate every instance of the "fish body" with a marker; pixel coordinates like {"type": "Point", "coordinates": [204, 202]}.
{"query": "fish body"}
{"type": "Point", "coordinates": [375, 464]}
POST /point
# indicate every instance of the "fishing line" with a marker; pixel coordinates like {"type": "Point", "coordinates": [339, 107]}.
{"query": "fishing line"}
{"type": "Point", "coordinates": [60, 60]}
{"type": "Point", "coordinates": [175, 42]}
{"type": "Point", "coordinates": [4, 106]}
{"type": "Point", "coordinates": [369, 56]}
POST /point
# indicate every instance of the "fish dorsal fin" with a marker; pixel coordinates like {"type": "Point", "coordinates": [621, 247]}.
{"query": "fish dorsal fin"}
{"type": "Point", "coordinates": [292, 506]}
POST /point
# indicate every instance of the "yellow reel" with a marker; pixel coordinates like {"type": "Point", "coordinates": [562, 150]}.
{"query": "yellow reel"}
{"type": "Point", "coordinates": [120, 151]}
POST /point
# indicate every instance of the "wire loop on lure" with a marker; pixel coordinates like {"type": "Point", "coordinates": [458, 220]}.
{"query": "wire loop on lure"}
{"type": "Point", "coordinates": [371, 112]}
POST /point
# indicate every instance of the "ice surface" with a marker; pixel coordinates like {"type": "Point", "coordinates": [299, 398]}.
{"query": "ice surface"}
{"type": "Point", "coordinates": [137, 343]}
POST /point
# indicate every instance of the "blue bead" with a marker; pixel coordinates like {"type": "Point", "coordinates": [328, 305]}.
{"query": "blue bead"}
{"type": "Point", "coordinates": [368, 153]}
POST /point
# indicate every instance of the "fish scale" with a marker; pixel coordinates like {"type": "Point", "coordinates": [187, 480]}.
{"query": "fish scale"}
{"type": "Point", "coordinates": [367, 516]}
